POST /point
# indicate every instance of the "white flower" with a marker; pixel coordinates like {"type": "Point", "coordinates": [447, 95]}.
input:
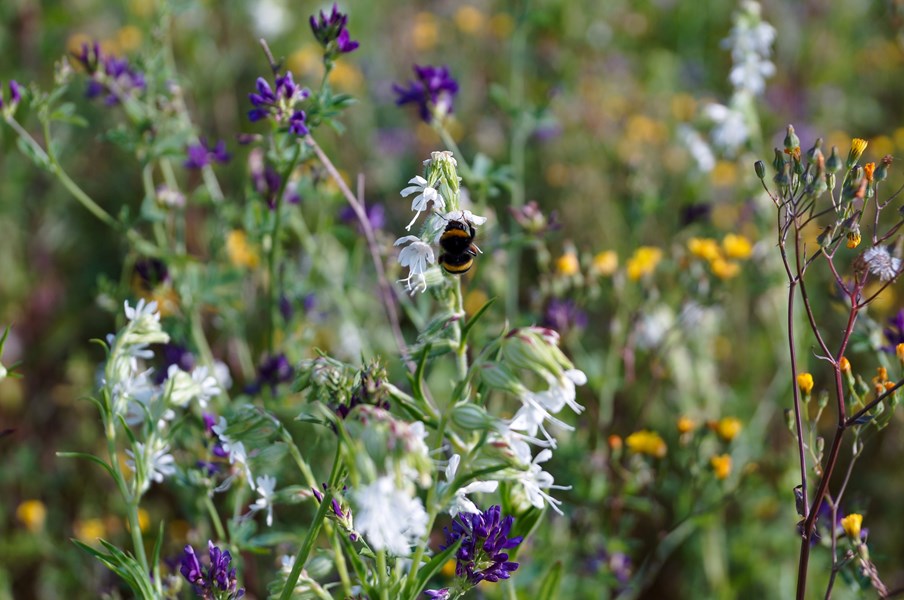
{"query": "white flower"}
{"type": "Point", "coordinates": [460, 502]}
{"type": "Point", "coordinates": [143, 326]}
{"type": "Point", "coordinates": [222, 375]}
{"type": "Point", "coordinates": [416, 256]}
{"type": "Point", "coordinates": [538, 407]}
{"type": "Point", "coordinates": [265, 487]}
{"type": "Point", "coordinates": [425, 195]}
{"type": "Point", "coordinates": [750, 41]}
{"type": "Point", "coordinates": [156, 461]}
{"type": "Point", "coordinates": [237, 454]}
{"type": "Point", "coordinates": [441, 156]}
{"type": "Point", "coordinates": [391, 519]}
{"type": "Point", "coordinates": [535, 480]}
{"type": "Point", "coordinates": [882, 264]}
{"type": "Point", "coordinates": [464, 216]}
{"type": "Point", "coordinates": [184, 387]}
{"type": "Point", "coordinates": [698, 148]}
{"type": "Point", "coordinates": [730, 130]}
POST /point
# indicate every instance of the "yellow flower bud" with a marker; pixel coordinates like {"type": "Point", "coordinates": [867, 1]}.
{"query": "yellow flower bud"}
{"type": "Point", "coordinates": [845, 365]}
{"type": "Point", "coordinates": [568, 264]}
{"type": "Point", "coordinates": [705, 248]}
{"type": "Point", "coordinates": [605, 263]}
{"type": "Point", "coordinates": [686, 425]}
{"type": "Point", "coordinates": [727, 428]}
{"type": "Point", "coordinates": [805, 383]}
{"type": "Point", "coordinates": [721, 465]}
{"type": "Point", "coordinates": [32, 514]}
{"type": "Point", "coordinates": [899, 352]}
{"type": "Point", "coordinates": [853, 239]}
{"type": "Point", "coordinates": [737, 246]}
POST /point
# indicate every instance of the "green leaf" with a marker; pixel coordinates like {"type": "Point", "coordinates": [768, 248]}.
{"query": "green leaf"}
{"type": "Point", "coordinates": [430, 569]}
{"type": "Point", "coordinates": [90, 457]}
{"type": "Point", "coordinates": [466, 330]}
{"type": "Point", "coordinates": [38, 159]}
{"type": "Point", "coordinates": [65, 113]}
{"type": "Point", "coordinates": [549, 588]}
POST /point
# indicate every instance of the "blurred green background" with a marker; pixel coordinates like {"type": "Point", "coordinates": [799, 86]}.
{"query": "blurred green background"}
{"type": "Point", "coordinates": [616, 80]}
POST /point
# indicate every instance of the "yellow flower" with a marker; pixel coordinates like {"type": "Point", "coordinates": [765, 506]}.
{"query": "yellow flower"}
{"type": "Point", "coordinates": [724, 269]}
{"type": "Point", "coordinates": [346, 76]}
{"type": "Point", "coordinates": [605, 263]}
{"type": "Point", "coordinates": [737, 246]}
{"type": "Point", "coordinates": [851, 525]}
{"type": "Point", "coordinates": [721, 465]}
{"type": "Point", "coordinates": [502, 25]}
{"type": "Point", "coordinates": [469, 19]}
{"type": "Point", "coordinates": [240, 252]}
{"type": "Point", "coordinates": [568, 264]}
{"type": "Point", "coordinates": [705, 248]}
{"type": "Point", "coordinates": [448, 568]}
{"type": "Point", "coordinates": [858, 146]}
{"type": "Point", "coordinates": [805, 383]}
{"type": "Point", "coordinates": [89, 530]}
{"type": "Point", "coordinates": [853, 239]}
{"type": "Point", "coordinates": [727, 428]}
{"type": "Point", "coordinates": [686, 425]}
{"type": "Point", "coordinates": [425, 31]}
{"type": "Point", "coordinates": [32, 514]}
{"type": "Point", "coordinates": [643, 262]}
{"type": "Point", "coordinates": [868, 170]}
{"type": "Point", "coordinates": [899, 352]}
{"type": "Point", "coordinates": [646, 442]}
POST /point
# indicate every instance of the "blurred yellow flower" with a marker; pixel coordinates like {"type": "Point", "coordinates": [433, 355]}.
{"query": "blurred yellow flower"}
{"type": "Point", "coordinates": [805, 383]}
{"type": "Point", "coordinates": [845, 365]}
{"type": "Point", "coordinates": [705, 248]}
{"type": "Point", "coordinates": [643, 262]}
{"type": "Point", "coordinates": [240, 252]}
{"type": "Point", "coordinates": [425, 31]}
{"type": "Point", "coordinates": [474, 301]}
{"type": "Point", "coordinates": [899, 352]}
{"type": "Point", "coordinates": [469, 19]}
{"type": "Point", "coordinates": [882, 145]}
{"type": "Point", "coordinates": [346, 76]}
{"type": "Point", "coordinates": [683, 107]}
{"type": "Point", "coordinates": [89, 530]}
{"type": "Point", "coordinates": [605, 263]}
{"type": "Point", "coordinates": [449, 567]}
{"type": "Point", "coordinates": [32, 514]}
{"type": "Point", "coordinates": [724, 174]}
{"type": "Point", "coordinates": [721, 465]}
{"type": "Point", "coordinates": [851, 525]}
{"type": "Point", "coordinates": [724, 269]}
{"type": "Point", "coordinates": [568, 264]}
{"type": "Point", "coordinates": [306, 61]}
{"type": "Point", "coordinates": [646, 442]}
{"type": "Point", "coordinates": [737, 246]}
{"type": "Point", "coordinates": [727, 428]}
{"type": "Point", "coordinates": [144, 520]}
{"type": "Point", "coordinates": [128, 39]}
{"type": "Point", "coordinates": [556, 174]}
{"type": "Point", "coordinates": [686, 425]}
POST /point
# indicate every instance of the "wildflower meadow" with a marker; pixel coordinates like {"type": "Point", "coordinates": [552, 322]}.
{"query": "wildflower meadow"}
{"type": "Point", "coordinates": [530, 299]}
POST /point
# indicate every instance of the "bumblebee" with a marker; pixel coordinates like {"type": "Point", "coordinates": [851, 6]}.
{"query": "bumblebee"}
{"type": "Point", "coordinates": [457, 243]}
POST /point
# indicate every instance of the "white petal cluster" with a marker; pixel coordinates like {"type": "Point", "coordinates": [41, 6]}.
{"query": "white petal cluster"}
{"type": "Point", "coordinates": [882, 264]}
{"type": "Point", "coordinates": [152, 462]}
{"type": "Point", "coordinates": [425, 195]}
{"type": "Point", "coordinates": [750, 41]}
{"type": "Point", "coordinates": [390, 518]}
{"type": "Point", "coordinates": [417, 256]}
{"type": "Point", "coordinates": [460, 502]}
{"type": "Point", "coordinates": [266, 485]}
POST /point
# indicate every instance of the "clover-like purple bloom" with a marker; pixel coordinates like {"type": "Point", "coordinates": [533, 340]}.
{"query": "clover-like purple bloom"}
{"type": "Point", "coordinates": [201, 154]}
{"type": "Point", "coordinates": [564, 315]}
{"type": "Point", "coordinates": [278, 102]}
{"type": "Point", "coordinates": [15, 94]}
{"type": "Point", "coordinates": [110, 76]}
{"type": "Point", "coordinates": [218, 578]}
{"type": "Point", "coordinates": [484, 538]}
{"type": "Point", "coordinates": [331, 28]}
{"type": "Point", "coordinates": [434, 88]}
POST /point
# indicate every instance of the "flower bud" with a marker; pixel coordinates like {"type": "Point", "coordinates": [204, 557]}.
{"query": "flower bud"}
{"type": "Point", "coordinates": [882, 170]}
{"type": "Point", "coordinates": [899, 352]}
{"type": "Point", "coordinates": [815, 153]}
{"type": "Point", "coordinates": [760, 168]}
{"type": "Point", "coordinates": [845, 365]}
{"type": "Point", "coordinates": [791, 139]}
{"type": "Point", "coordinates": [851, 525]}
{"type": "Point", "coordinates": [472, 417]}
{"type": "Point", "coordinates": [805, 383]}
{"type": "Point", "coordinates": [833, 164]}
{"type": "Point", "coordinates": [778, 163]}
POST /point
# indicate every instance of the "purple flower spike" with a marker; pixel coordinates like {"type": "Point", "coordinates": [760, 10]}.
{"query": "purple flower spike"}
{"type": "Point", "coordinates": [328, 29]}
{"type": "Point", "coordinates": [219, 578]}
{"type": "Point", "coordinates": [191, 567]}
{"type": "Point", "coordinates": [432, 91]}
{"type": "Point", "coordinates": [111, 77]}
{"type": "Point", "coordinates": [296, 123]}
{"type": "Point", "coordinates": [484, 536]}
{"type": "Point", "coordinates": [279, 102]}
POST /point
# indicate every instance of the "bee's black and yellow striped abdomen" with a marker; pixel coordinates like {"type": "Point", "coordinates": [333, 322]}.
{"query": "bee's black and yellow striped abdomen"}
{"type": "Point", "coordinates": [458, 249]}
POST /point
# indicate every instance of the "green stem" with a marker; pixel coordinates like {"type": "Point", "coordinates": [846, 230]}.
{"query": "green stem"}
{"type": "Point", "coordinates": [461, 353]}
{"type": "Point", "coordinates": [446, 137]}
{"type": "Point", "coordinates": [215, 517]}
{"type": "Point", "coordinates": [339, 561]}
{"type": "Point", "coordinates": [314, 531]}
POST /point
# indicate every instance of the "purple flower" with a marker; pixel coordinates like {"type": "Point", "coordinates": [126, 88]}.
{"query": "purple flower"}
{"type": "Point", "coordinates": [110, 76]}
{"type": "Point", "coordinates": [433, 89]}
{"type": "Point", "coordinates": [218, 578]}
{"type": "Point", "coordinates": [279, 103]}
{"type": "Point", "coordinates": [376, 216]}
{"type": "Point", "coordinates": [331, 28]}
{"type": "Point", "coordinates": [15, 94]}
{"type": "Point", "coordinates": [174, 354]}
{"type": "Point", "coordinates": [272, 371]}
{"type": "Point", "coordinates": [484, 537]}
{"type": "Point", "coordinates": [563, 316]}
{"type": "Point", "coordinates": [894, 333]}
{"type": "Point", "coordinates": [342, 516]}
{"type": "Point", "coordinates": [201, 154]}
{"type": "Point", "coordinates": [267, 181]}
{"type": "Point", "coordinates": [442, 594]}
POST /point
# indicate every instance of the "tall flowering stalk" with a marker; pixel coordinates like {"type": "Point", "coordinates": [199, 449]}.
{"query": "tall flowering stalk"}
{"type": "Point", "coordinates": [806, 194]}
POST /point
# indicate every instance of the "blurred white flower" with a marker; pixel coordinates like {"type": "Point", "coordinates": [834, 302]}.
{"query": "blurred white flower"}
{"type": "Point", "coordinates": [389, 518]}
{"type": "Point", "coordinates": [265, 487]}
{"type": "Point", "coordinates": [750, 41]}
{"type": "Point", "coordinates": [535, 480]}
{"type": "Point", "coordinates": [156, 462]}
{"type": "Point", "coordinates": [698, 148]}
{"type": "Point", "coordinates": [730, 130]}
{"type": "Point", "coordinates": [183, 387]}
